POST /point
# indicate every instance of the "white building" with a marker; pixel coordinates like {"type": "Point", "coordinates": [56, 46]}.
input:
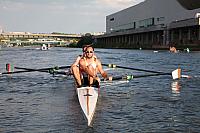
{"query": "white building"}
{"type": "Point", "coordinates": [154, 24]}
{"type": "Point", "coordinates": [148, 13]}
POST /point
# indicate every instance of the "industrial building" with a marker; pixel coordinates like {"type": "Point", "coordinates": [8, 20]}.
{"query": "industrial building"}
{"type": "Point", "coordinates": [154, 24]}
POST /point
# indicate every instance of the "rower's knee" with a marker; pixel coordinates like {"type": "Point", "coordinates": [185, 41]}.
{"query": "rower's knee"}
{"type": "Point", "coordinates": [74, 69]}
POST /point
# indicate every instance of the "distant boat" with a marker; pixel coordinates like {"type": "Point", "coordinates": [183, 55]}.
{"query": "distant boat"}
{"type": "Point", "coordinates": [44, 47]}
{"type": "Point", "coordinates": [187, 50]}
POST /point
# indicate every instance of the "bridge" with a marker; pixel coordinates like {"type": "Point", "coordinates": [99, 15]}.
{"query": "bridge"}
{"type": "Point", "coordinates": [38, 35]}
{"type": "Point", "coordinates": [26, 38]}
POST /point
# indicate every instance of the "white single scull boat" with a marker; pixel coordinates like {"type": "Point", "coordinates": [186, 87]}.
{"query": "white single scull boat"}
{"type": "Point", "coordinates": [87, 97]}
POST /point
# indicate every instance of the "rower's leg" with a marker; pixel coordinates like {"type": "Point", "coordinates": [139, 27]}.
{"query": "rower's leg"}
{"type": "Point", "coordinates": [91, 79]}
{"type": "Point", "coordinates": [92, 72]}
{"type": "Point", "coordinates": [77, 75]}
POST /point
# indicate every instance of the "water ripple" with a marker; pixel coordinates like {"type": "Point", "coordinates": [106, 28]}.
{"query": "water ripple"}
{"type": "Point", "coordinates": [38, 102]}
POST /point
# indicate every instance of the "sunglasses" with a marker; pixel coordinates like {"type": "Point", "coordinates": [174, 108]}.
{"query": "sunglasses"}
{"type": "Point", "coordinates": [89, 51]}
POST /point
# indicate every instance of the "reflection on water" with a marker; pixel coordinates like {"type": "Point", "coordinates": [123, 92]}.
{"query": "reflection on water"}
{"type": "Point", "coordinates": [176, 88]}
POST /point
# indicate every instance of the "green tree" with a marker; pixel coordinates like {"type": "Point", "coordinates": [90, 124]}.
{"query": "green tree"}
{"type": "Point", "coordinates": [86, 39]}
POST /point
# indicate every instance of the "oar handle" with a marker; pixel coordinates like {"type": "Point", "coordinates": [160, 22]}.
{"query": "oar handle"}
{"type": "Point", "coordinates": [61, 72]}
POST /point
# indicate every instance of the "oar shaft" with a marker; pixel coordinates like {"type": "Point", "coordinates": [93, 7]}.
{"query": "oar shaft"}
{"type": "Point", "coordinates": [41, 69]}
{"type": "Point", "coordinates": [49, 70]}
{"type": "Point", "coordinates": [24, 70]}
{"type": "Point", "coordinates": [131, 68]}
{"type": "Point", "coordinates": [4, 73]}
{"type": "Point", "coordinates": [129, 77]}
{"type": "Point", "coordinates": [32, 70]}
{"type": "Point", "coordinates": [150, 75]}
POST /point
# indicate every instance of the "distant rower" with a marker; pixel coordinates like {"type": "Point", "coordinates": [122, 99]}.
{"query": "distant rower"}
{"type": "Point", "coordinates": [172, 49]}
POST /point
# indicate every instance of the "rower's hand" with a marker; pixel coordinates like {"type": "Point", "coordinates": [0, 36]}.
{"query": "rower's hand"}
{"type": "Point", "coordinates": [98, 79]}
{"type": "Point", "coordinates": [105, 75]}
{"type": "Point", "coordinates": [110, 78]}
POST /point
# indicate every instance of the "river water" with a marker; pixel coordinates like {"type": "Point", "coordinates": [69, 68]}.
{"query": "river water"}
{"type": "Point", "coordinates": [40, 103]}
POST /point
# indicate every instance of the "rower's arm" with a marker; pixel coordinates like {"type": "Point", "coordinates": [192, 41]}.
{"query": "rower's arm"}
{"type": "Point", "coordinates": [100, 69]}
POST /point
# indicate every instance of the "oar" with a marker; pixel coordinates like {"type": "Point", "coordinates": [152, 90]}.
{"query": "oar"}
{"type": "Point", "coordinates": [130, 68]}
{"type": "Point", "coordinates": [50, 70]}
{"type": "Point", "coordinates": [32, 70]}
{"type": "Point", "coordinates": [4, 73]}
{"type": "Point", "coordinates": [176, 74]}
{"type": "Point", "coordinates": [130, 77]}
{"type": "Point", "coordinates": [42, 69]}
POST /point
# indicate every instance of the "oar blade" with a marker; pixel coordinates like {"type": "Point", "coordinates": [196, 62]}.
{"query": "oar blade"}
{"type": "Point", "coordinates": [176, 74]}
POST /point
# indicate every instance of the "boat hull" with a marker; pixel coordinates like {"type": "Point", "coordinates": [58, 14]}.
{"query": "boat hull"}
{"type": "Point", "coordinates": [88, 97]}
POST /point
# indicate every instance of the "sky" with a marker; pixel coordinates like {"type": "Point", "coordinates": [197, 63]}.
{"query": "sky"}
{"type": "Point", "coordinates": [64, 16]}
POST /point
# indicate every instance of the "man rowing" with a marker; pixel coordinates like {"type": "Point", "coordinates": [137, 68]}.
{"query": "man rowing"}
{"type": "Point", "coordinates": [172, 49]}
{"type": "Point", "coordinates": [90, 66]}
{"type": "Point", "coordinates": [75, 66]}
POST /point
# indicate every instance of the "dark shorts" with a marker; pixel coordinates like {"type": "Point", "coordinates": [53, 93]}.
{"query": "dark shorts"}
{"type": "Point", "coordinates": [86, 82]}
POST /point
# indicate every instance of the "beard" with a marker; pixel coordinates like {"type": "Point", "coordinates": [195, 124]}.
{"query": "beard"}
{"type": "Point", "coordinates": [89, 57]}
